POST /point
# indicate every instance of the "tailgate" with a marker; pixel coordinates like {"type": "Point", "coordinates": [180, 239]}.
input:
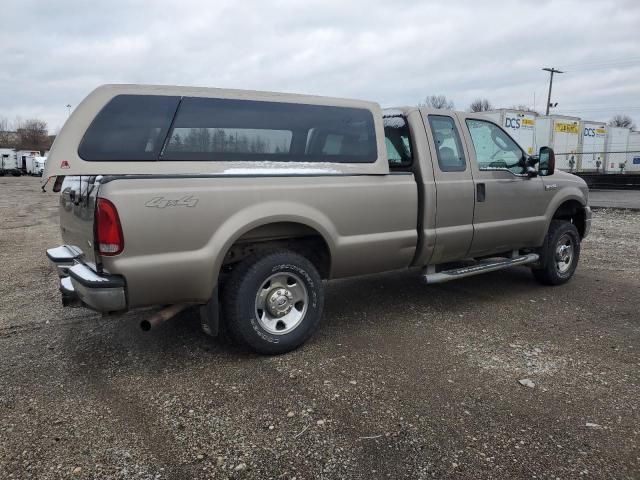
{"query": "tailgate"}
{"type": "Point", "coordinates": [77, 210]}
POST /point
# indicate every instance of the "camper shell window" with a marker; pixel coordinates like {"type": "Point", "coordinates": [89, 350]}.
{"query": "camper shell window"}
{"type": "Point", "coordinates": [245, 130]}
{"type": "Point", "coordinates": [169, 128]}
{"type": "Point", "coordinates": [129, 128]}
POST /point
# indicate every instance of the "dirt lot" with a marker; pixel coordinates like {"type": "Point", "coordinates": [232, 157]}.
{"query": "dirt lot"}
{"type": "Point", "coordinates": [401, 381]}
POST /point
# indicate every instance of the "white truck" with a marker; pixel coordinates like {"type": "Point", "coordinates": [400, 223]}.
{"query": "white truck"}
{"type": "Point", "coordinates": [35, 165]}
{"type": "Point", "coordinates": [8, 162]}
{"type": "Point", "coordinates": [23, 156]}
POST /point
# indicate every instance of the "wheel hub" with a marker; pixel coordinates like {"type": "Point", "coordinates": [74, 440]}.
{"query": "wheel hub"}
{"type": "Point", "coordinates": [279, 302]}
{"type": "Point", "coordinates": [564, 254]}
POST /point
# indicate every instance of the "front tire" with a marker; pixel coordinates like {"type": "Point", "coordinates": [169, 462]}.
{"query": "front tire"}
{"type": "Point", "coordinates": [560, 254]}
{"type": "Point", "coordinates": [273, 302]}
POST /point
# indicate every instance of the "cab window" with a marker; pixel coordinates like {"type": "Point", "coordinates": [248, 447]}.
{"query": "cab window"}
{"type": "Point", "coordinates": [448, 145]}
{"type": "Point", "coordinates": [495, 150]}
{"type": "Point", "coordinates": [398, 142]}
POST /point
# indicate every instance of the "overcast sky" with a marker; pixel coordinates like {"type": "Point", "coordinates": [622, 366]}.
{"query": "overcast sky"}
{"type": "Point", "coordinates": [392, 52]}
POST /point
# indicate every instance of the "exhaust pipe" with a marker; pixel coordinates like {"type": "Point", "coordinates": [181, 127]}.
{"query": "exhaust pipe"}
{"type": "Point", "coordinates": [162, 316]}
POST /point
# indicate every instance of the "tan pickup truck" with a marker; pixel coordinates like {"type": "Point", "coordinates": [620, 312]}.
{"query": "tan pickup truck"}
{"type": "Point", "coordinates": [243, 203]}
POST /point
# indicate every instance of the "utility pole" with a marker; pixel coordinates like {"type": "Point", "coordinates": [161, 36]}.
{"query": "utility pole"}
{"type": "Point", "coordinates": [552, 71]}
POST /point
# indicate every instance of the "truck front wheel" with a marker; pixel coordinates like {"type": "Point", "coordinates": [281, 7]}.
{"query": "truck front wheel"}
{"type": "Point", "coordinates": [560, 254]}
{"type": "Point", "coordinates": [273, 302]}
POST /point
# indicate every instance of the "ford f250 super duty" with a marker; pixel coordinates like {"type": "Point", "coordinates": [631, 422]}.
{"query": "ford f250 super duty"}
{"type": "Point", "coordinates": [242, 203]}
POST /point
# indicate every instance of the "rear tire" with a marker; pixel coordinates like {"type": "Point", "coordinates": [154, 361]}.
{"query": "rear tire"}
{"type": "Point", "coordinates": [559, 255]}
{"type": "Point", "coordinates": [273, 303]}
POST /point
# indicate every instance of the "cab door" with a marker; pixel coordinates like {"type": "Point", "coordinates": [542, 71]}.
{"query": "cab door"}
{"type": "Point", "coordinates": [454, 187]}
{"type": "Point", "coordinates": [509, 205]}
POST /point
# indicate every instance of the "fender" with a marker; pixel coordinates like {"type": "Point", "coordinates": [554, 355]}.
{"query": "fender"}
{"type": "Point", "coordinates": [249, 218]}
{"type": "Point", "coordinates": [564, 194]}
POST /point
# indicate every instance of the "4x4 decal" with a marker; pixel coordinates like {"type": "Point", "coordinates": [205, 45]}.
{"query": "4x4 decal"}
{"type": "Point", "coordinates": [161, 202]}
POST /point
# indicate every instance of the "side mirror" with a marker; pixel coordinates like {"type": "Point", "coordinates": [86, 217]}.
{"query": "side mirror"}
{"type": "Point", "coordinates": [547, 161]}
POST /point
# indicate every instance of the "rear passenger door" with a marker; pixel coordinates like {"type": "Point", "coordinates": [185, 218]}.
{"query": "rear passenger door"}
{"type": "Point", "coordinates": [454, 188]}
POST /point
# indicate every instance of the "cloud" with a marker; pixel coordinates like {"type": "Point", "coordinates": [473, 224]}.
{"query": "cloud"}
{"type": "Point", "coordinates": [55, 53]}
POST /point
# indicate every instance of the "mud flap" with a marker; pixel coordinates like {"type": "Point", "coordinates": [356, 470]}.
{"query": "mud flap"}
{"type": "Point", "coordinates": [210, 315]}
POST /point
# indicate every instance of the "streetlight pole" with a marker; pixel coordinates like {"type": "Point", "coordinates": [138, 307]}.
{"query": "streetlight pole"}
{"type": "Point", "coordinates": [68, 105]}
{"type": "Point", "coordinates": [552, 71]}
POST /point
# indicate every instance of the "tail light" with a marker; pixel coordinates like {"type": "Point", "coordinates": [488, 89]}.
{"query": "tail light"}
{"type": "Point", "coordinates": [109, 236]}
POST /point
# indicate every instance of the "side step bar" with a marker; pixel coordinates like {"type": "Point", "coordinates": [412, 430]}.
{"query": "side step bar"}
{"type": "Point", "coordinates": [481, 267]}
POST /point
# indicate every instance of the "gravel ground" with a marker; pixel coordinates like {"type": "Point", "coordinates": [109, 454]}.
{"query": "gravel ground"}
{"type": "Point", "coordinates": [401, 381]}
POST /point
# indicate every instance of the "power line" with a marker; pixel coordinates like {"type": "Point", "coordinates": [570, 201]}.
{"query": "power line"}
{"type": "Point", "coordinates": [603, 62]}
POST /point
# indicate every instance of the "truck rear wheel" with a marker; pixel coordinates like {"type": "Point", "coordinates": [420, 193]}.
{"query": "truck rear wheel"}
{"type": "Point", "coordinates": [273, 302]}
{"type": "Point", "coordinates": [560, 254]}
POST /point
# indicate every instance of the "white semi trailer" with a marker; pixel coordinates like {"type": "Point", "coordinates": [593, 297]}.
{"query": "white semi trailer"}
{"type": "Point", "coordinates": [8, 162]}
{"type": "Point", "coordinates": [633, 153]}
{"type": "Point", "coordinates": [519, 124]}
{"type": "Point", "coordinates": [616, 148]}
{"type": "Point", "coordinates": [561, 133]}
{"type": "Point", "coordinates": [593, 137]}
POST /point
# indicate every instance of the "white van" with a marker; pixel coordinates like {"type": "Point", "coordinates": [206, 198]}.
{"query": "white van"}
{"type": "Point", "coordinates": [35, 165]}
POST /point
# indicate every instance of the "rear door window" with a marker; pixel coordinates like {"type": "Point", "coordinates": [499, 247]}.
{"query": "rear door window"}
{"type": "Point", "coordinates": [217, 129]}
{"type": "Point", "coordinates": [129, 128]}
{"type": "Point", "coordinates": [449, 148]}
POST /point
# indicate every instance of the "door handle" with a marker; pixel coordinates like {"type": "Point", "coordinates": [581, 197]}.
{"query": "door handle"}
{"type": "Point", "coordinates": [481, 192]}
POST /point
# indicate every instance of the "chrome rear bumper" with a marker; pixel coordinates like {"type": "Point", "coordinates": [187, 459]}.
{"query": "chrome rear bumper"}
{"type": "Point", "coordinates": [79, 282]}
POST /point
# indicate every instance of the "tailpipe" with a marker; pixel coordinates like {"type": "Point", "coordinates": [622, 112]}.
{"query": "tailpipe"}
{"type": "Point", "coordinates": [162, 316]}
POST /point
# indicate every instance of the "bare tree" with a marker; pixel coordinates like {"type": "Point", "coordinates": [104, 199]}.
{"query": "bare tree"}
{"type": "Point", "coordinates": [32, 135]}
{"type": "Point", "coordinates": [480, 105]}
{"type": "Point", "coordinates": [622, 120]}
{"type": "Point", "coordinates": [524, 108]}
{"type": "Point", "coordinates": [4, 131]}
{"type": "Point", "coordinates": [439, 102]}
{"type": "Point", "coordinates": [7, 136]}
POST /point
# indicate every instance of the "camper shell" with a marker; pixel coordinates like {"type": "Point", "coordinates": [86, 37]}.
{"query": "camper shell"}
{"type": "Point", "coordinates": [65, 159]}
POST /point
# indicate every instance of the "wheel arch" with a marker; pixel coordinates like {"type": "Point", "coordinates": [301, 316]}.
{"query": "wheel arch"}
{"type": "Point", "coordinates": [572, 210]}
{"type": "Point", "coordinates": [299, 226]}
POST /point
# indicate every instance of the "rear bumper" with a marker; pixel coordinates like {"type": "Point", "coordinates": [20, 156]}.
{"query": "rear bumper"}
{"type": "Point", "coordinates": [79, 282]}
{"type": "Point", "coordinates": [587, 221]}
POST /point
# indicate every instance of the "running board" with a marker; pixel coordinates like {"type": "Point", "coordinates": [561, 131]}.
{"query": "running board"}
{"type": "Point", "coordinates": [480, 267]}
